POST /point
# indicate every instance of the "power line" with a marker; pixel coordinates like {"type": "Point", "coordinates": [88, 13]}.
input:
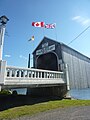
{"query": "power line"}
{"type": "Point", "coordinates": [78, 35]}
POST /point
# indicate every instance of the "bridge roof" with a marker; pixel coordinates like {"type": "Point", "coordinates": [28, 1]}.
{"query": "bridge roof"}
{"type": "Point", "coordinates": [48, 39]}
{"type": "Point", "coordinates": [62, 44]}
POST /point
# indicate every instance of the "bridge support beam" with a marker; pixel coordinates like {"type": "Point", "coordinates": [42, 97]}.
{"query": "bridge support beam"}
{"type": "Point", "coordinates": [59, 91]}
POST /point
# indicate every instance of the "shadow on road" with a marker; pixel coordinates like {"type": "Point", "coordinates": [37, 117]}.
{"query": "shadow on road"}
{"type": "Point", "coordinates": [10, 101]}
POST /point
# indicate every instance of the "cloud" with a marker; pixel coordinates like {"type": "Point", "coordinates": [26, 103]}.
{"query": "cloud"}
{"type": "Point", "coordinates": [23, 57]}
{"type": "Point", "coordinates": [76, 18]}
{"type": "Point", "coordinates": [8, 56]}
{"type": "Point", "coordinates": [81, 20]}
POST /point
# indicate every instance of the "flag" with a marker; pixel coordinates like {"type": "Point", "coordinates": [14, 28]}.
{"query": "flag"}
{"type": "Point", "coordinates": [31, 39]}
{"type": "Point", "coordinates": [50, 26]}
{"type": "Point", "coordinates": [38, 24]}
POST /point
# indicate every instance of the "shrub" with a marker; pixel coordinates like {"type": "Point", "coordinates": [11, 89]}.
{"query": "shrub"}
{"type": "Point", "coordinates": [5, 92]}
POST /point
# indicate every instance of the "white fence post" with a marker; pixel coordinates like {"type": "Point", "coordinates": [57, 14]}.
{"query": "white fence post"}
{"type": "Point", "coordinates": [2, 71]}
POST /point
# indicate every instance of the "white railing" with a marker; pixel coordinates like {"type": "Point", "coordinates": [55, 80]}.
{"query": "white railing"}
{"type": "Point", "coordinates": [25, 77]}
{"type": "Point", "coordinates": [12, 77]}
{"type": "Point", "coordinates": [16, 76]}
{"type": "Point", "coordinates": [17, 72]}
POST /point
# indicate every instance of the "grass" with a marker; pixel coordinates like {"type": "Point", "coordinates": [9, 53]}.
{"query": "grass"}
{"type": "Point", "coordinates": [41, 107]}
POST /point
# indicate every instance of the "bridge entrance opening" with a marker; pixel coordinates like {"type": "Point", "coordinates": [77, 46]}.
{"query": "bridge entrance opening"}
{"type": "Point", "coordinates": [47, 61]}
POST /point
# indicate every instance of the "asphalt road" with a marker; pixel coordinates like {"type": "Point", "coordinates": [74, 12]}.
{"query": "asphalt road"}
{"type": "Point", "coordinates": [72, 113]}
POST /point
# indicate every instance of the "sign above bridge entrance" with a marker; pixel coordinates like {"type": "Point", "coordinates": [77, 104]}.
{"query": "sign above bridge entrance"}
{"type": "Point", "coordinates": [45, 49]}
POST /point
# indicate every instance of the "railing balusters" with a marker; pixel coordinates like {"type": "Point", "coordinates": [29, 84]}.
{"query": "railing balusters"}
{"type": "Point", "coordinates": [40, 74]}
{"type": "Point", "coordinates": [19, 73]}
{"type": "Point", "coordinates": [10, 75]}
{"type": "Point", "coordinates": [44, 74]}
{"type": "Point", "coordinates": [33, 73]}
{"type": "Point", "coordinates": [15, 73]}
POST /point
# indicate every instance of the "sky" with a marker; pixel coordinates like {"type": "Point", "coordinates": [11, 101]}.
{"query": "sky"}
{"type": "Point", "coordinates": [71, 18]}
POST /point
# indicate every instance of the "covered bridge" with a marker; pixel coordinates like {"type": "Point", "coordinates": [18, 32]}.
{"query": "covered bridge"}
{"type": "Point", "coordinates": [53, 55]}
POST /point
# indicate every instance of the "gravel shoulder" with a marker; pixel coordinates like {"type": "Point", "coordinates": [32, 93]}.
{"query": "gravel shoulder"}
{"type": "Point", "coordinates": [71, 113]}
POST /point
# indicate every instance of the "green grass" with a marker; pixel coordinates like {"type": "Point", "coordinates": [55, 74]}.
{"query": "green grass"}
{"type": "Point", "coordinates": [41, 107]}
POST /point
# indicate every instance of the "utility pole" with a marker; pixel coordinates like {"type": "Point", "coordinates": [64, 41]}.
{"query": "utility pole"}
{"type": "Point", "coordinates": [29, 61]}
{"type": "Point", "coordinates": [3, 21]}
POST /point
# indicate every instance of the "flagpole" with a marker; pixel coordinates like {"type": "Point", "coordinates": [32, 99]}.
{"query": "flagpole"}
{"type": "Point", "coordinates": [30, 56]}
{"type": "Point", "coordinates": [56, 33]}
{"type": "Point", "coordinates": [32, 52]}
{"type": "Point", "coordinates": [43, 31]}
{"type": "Point", "coordinates": [32, 49]}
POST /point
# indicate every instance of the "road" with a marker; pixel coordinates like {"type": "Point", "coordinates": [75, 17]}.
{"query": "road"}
{"type": "Point", "coordinates": [72, 113]}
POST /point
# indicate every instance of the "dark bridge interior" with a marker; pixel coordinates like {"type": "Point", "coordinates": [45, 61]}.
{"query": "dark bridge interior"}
{"type": "Point", "coordinates": [48, 62]}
